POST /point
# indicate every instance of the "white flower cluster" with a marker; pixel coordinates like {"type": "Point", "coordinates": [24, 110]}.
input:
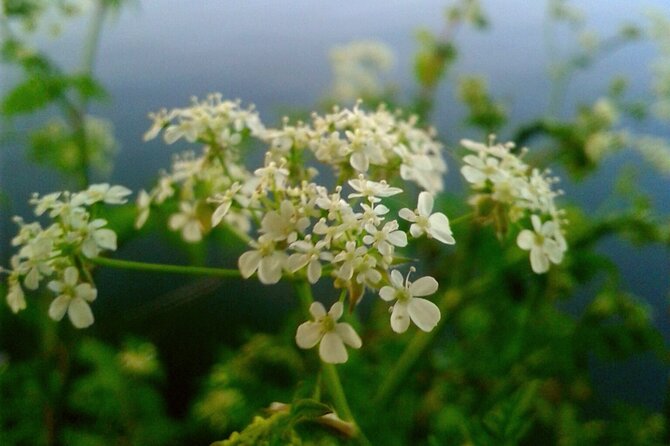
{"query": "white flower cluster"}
{"type": "Point", "coordinates": [502, 181]}
{"type": "Point", "coordinates": [57, 250]}
{"type": "Point", "coordinates": [306, 230]}
{"type": "Point", "coordinates": [358, 68]}
{"type": "Point", "coordinates": [379, 144]}
{"type": "Point", "coordinates": [220, 126]}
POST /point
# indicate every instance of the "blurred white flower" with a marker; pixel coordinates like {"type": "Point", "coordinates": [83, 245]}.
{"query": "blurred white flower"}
{"type": "Point", "coordinates": [542, 244]}
{"type": "Point", "coordinates": [73, 298]}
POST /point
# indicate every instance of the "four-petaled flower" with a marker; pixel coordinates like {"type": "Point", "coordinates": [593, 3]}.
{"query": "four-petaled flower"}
{"type": "Point", "coordinates": [424, 313]}
{"type": "Point", "coordinates": [542, 243]}
{"type": "Point", "coordinates": [73, 298]}
{"type": "Point", "coordinates": [332, 335]}
{"type": "Point", "coordinates": [434, 225]}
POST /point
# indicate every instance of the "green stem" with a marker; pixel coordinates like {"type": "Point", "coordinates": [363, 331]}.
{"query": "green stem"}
{"type": "Point", "coordinates": [421, 342]}
{"type": "Point", "coordinates": [162, 268]}
{"type": "Point", "coordinates": [461, 219]}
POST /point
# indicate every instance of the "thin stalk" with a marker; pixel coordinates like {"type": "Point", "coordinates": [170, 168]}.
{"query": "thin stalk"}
{"type": "Point", "coordinates": [330, 377]}
{"type": "Point", "coordinates": [163, 268]}
{"type": "Point", "coordinates": [420, 344]}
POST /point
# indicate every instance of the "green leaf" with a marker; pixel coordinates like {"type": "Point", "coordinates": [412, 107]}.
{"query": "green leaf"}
{"type": "Point", "coordinates": [33, 94]}
{"type": "Point", "coordinates": [309, 409]}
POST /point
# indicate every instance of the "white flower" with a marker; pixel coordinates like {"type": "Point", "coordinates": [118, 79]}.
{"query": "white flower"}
{"type": "Point", "coordinates": [265, 258]}
{"type": "Point", "coordinates": [372, 189]}
{"type": "Point", "coordinates": [98, 238]}
{"type": "Point", "coordinates": [187, 220]}
{"type": "Point", "coordinates": [16, 299]}
{"type": "Point", "coordinates": [101, 192]}
{"type": "Point", "coordinates": [424, 313]}
{"type": "Point", "coordinates": [309, 255]}
{"type": "Point", "coordinates": [224, 201]}
{"type": "Point", "coordinates": [332, 335]}
{"type": "Point", "coordinates": [73, 298]}
{"type": "Point", "coordinates": [479, 170]}
{"type": "Point", "coordinates": [434, 225]}
{"type": "Point", "coordinates": [285, 224]}
{"type": "Point", "coordinates": [541, 244]}
{"type": "Point", "coordinates": [386, 238]}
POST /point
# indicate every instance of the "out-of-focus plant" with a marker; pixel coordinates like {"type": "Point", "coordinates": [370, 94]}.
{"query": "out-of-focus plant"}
{"type": "Point", "coordinates": [71, 140]}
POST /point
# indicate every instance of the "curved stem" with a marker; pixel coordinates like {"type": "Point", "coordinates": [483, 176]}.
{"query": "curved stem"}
{"type": "Point", "coordinates": [421, 342]}
{"type": "Point", "coordinates": [163, 268]}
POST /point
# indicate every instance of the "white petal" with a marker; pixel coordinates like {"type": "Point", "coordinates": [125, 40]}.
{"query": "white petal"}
{"type": "Point", "coordinates": [473, 175]}
{"type": "Point", "coordinates": [191, 231]}
{"type": "Point", "coordinates": [296, 261]}
{"type": "Point", "coordinates": [425, 205]}
{"type": "Point", "coordinates": [56, 286]}
{"type": "Point", "coordinates": [399, 318]}
{"type": "Point", "coordinates": [538, 260]}
{"type": "Point", "coordinates": [86, 292]}
{"type": "Point", "coordinates": [398, 238]}
{"type": "Point", "coordinates": [415, 230]}
{"type": "Point", "coordinates": [105, 238]}
{"type": "Point", "coordinates": [348, 335]}
{"type": "Point", "coordinates": [317, 310]}
{"type": "Point", "coordinates": [359, 161]}
{"type": "Point", "coordinates": [314, 271]}
{"type": "Point", "coordinates": [308, 334]}
{"type": "Point", "coordinates": [537, 223]}
{"type": "Point", "coordinates": [406, 214]}
{"type": "Point", "coordinates": [90, 248]}
{"type": "Point", "coordinates": [220, 212]}
{"type": "Point", "coordinates": [270, 269]}
{"type": "Point", "coordinates": [58, 307]}
{"type": "Point", "coordinates": [553, 250]}
{"type": "Point", "coordinates": [440, 229]}
{"type": "Point", "coordinates": [525, 239]}
{"type": "Point", "coordinates": [424, 313]}
{"type": "Point", "coordinates": [177, 221]}
{"type": "Point", "coordinates": [248, 263]}
{"type": "Point", "coordinates": [397, 279]}
{"type": "Point", "coordinates": [80, 313]}
{"type": "Point", "coordinates": [425, 286]}
{"type": "Point", "coordinates": [336, 310]}
{"type": "Point", "coordinates": [387, 293]}
{"type": "Point", "coordinates": [16, 299]}
{"type": "Point", "coordinates": [32, 279]}
{"type": "Point", "coordinates": [71, 276]}
{"type": "Point", "coordinates": [332, 349]}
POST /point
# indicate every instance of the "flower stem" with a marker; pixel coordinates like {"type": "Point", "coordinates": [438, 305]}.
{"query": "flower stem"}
{"type": "Point", "coordinates": [461, 219]}
{"type": "Point", "coordinates": [162, 268]}
{"type": "Point", "coordinates": [329, 375]}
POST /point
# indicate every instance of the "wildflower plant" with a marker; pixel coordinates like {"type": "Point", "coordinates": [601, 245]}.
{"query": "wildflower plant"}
{"type": "Point", "coordinates": [348, 202]}
{"type": "Point", "coordinates": [319, 208]}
